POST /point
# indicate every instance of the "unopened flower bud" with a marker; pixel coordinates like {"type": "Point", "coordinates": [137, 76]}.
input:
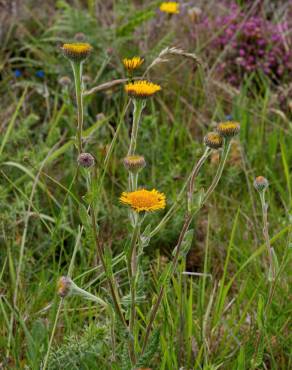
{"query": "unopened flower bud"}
{"type": "Point", "coordinates": [85, 160]}
{"type": "Point", "coordinates": [228, 129]}
{"type": "Point", "coordinates": [65, 81]}
{"type": "Point", "coordinates": [80, 36]}
{"type": "Point", "coordinates": [213, 140]}
{"type": "Point", "coordinates": [134, 163]}
{"type": "Point", "coordinates": [64, 286]}
{"type": "Point", "coordinates": [261, 183]}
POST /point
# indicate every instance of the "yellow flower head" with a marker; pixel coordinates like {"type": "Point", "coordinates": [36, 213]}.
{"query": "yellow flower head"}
{"type": "Point", "coordinates": [76, 52]}
{"type": "Point", "coordinates": [170, 7]}
{"type": "Point", "coordinates": [142, 89]}
{"type": "Point", "coordinates": [133, 63]}
{"type": "Point", "coordinates": [228, 129]}
{"type": "Point", "coordinates": [213, 140]}
{"type": "Point", "coordinates": [144, 200]}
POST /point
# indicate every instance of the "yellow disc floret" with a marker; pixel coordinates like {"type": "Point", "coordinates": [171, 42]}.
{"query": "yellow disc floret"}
{"type": "Point", "coordinates": [170, 7]}
{"type": "Point", "coordinates": [76, 52]}
{"type": "Point", "coordinates": [142, 89]}
{"type": "Point", "coordinates": [132, 63]}
{"type": "Point", "coordinates": [228, 129]}
{"type": "Point", "coordinates": [144, 200]}
{"type": "Point", "coordinates": [213, 140]}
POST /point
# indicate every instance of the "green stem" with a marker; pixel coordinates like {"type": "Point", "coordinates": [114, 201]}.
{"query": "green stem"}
{"type": "Point", "coordinates": [52, 335]}
{"type": "Point", "coordinates": [189, 181]}
{"type": "Point", "coordinates": [218, 175]}
{"type": "Point", "coordinates": [132, 272]}
{"type": "Point", "coordinates": [110, 279]}
{"type": "Point", "coordinates": [77, 71]}
{"type": "Point", "coordinates": [266, 234]}
{"type": "Point", "coordinates": [138, 108]}
{"type": "Point", "coordinates": [188, 219]}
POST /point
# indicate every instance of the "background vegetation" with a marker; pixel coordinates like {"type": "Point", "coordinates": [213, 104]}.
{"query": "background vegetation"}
{"type": "Point", "coordinates": [209, 319]}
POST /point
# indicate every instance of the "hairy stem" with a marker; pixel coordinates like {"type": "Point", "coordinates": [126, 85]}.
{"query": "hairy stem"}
{"type": "Point", "coordinates": [77, 71]}
{"type": "Point", "coordinates": [110, 279]}
{"type": "Point", "coordinates": [188, 219]}
{"type": "Point", "coordinates": [138, 108]}
{"type": "Point", "coordinates": [52, 335]}
{"type": "Point", "coordinates": [132, 272]}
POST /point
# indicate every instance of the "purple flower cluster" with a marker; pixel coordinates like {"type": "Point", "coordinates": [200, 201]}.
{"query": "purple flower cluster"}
{"type": "Point", "coordinates": [250, 44]}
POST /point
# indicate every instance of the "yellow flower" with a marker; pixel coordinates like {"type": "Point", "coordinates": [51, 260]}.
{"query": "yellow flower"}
{"type": "Point", "coordinates": [170, 7]}
{"type": "Point", "coordinates": [213, 140]}
{"type": "Point", "coordinates": [142, 89]}
{"type": "Point", "coordinates": [144, 200]}
{"type": "Point", "coordinates": [228, 129]}
{"type": "Point", "coordinates": [76, 52]}
{"type": "Point", "coordinates": [133, 63]}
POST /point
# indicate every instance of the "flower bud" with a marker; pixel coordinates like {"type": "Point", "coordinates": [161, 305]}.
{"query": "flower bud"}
{"type": "Point", "coordinates": [213, 140]}
{"type": "Point", "coordinates": [228, 129]}
{"type": "Point", "coordinates": [65, 81]}
{"type": "Point", "coordinates": [261, 183]}
{"type": "Point", "coordinates": [134, 163]}
{"type": "Point", "coordinates": [76, 52]}
{"type": "Point", "coordinates": [64, 286]}
{"type": "Point", "coordinates": [85, 160]}
{"type": "Point", "coordinates": [80, 37]}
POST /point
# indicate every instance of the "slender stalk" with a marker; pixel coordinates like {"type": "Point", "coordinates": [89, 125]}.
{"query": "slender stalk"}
{"type": "Point", "coordinates": [77, 71]}
{"type": "Point", "coordinates": [138, 108]}
{"type": "Point", "coordinates": [189, 181]}
{"type": "Point", "coordinates": [218, 175]}
{"type": "Point", "coordinates": [266, 234]}
{"type": "Point", "coordinates": [188, 219]}
{"type": "Point", "coordinates": [110, 279]}
{"type": "Point", "coordinates": [132, 272]}
{"type": "Point", "coordinates": [52, 335]}
{"type": "Point", "coordinates": [272, 269]}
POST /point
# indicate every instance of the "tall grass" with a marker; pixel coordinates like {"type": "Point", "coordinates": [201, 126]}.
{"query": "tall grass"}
{"type": "Point", "coordinates": [213, 309]}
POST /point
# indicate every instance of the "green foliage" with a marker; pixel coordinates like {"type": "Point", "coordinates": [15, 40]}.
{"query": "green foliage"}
{"type": "Point", "coordinates": [207, 320]}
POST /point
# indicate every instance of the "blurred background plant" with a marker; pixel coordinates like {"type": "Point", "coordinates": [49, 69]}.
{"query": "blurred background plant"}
{"type": "Point", "coordinates": [37, 118]}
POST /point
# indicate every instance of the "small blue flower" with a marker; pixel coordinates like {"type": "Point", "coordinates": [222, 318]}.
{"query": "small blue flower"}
{"type": "Point", "coordinates": [40, 74]}
{"type": "Point", "coordinates": [229, 117]}
{"type": "Point", "coordinates": [17, 73]}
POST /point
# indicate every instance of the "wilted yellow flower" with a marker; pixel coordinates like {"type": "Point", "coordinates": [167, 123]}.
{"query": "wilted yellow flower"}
{"type": "Point", "coordinates": [213, 140]}
{"type": "Point", "coordinates": [133, 63]}
{"type": "Point", "coordinates": [76, 52]}
{"type": "Point", "coordinates": [170, 7]}
{"type": "Point", "coordinates": [144, 200]}
{"type": "Point", "coordinates": [142, 89]}
{"type": "Point", "coordinates": [228, 129]}
{"type": "Point", "coordinates": [64, 286]}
